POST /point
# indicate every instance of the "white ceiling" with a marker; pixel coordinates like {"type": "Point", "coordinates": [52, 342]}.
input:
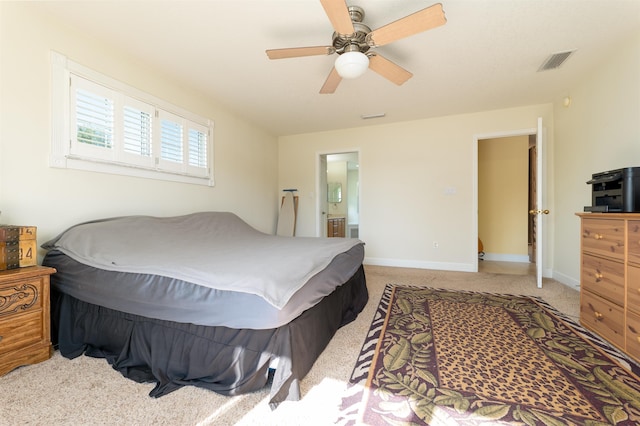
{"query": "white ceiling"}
{"type": "Point", "coordinates": [485, 57]}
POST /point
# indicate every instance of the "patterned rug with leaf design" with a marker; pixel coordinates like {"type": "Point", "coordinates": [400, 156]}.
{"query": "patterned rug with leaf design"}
{"type": "Point", "coordinates": [442, 357]}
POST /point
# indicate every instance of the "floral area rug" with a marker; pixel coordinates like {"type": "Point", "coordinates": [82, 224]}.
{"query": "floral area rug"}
{"type": "Point", "coordinates": [441, 357]}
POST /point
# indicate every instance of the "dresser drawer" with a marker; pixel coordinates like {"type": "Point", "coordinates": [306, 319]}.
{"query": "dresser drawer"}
{"type": "Point", "coordinates": [604, 237]}
{"type": "Point", "coordinates": [633, 289]}
{"type": "Point", "coordinates": [603, 317]}
{"type": "Point", "coordinates": [633, 241]}
{"type": "Point", "coordinates": [603, 277]}
{"type": "Point", "coordinates": [20, 331]}
{"type": "Point", "coordinates": [633, 335]}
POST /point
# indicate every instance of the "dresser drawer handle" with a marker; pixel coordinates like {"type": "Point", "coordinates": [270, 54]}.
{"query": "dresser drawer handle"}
{"type": "Point", "coordinates": [598, 276]}
{"type": "Point", "coordinates": [598, 315]}
{"type": "Point", "coordinates": [598, 236]}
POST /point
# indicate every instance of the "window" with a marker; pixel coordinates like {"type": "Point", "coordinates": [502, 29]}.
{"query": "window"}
{"type": "Point", "coordinates": [103, 125]}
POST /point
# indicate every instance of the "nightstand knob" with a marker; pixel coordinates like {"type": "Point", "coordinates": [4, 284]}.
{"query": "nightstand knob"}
{"type": "Point", "coordinates": [598, 315]}
{"type": "Point", "coordinates": [598, 276]}
{"type": "Point", "coordinates": [598, 236]}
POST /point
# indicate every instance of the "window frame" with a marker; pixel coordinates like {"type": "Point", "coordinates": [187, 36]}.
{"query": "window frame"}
{"type": "Point", "coordinates": [67, 152]}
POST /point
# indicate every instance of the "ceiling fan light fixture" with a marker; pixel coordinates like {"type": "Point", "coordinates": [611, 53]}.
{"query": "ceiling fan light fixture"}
{"type": "Point", "coordinates": [352, 64]}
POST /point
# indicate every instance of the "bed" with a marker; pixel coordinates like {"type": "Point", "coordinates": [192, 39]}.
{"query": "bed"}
{"type": "Point", "coordinates": [202, 299]}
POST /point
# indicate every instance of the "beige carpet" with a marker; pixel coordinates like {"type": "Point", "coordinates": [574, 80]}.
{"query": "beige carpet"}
{"type": "Point", "coordinates": [87, 391]}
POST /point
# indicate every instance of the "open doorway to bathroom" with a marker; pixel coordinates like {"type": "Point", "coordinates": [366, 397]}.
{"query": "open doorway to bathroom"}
{"type": "Point", "coordinates": [339, 195]}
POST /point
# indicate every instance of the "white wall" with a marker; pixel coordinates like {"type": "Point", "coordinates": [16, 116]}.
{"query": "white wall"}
{"type": "Point", "coordinates": [599, 131]}
{"type": "Point", "coordinates": [416, 183]}
{"type": "Point", "coordinates": [31, 193]}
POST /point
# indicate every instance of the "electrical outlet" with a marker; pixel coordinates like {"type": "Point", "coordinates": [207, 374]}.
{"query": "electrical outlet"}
{"type": "Point", "coordinates": [435, 245]}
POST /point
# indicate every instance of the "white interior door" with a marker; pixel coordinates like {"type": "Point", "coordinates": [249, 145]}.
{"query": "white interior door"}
{"type": "Point", "coordinates": [539, 211]}
{"type": "Point", "coordinates": [322, 196]}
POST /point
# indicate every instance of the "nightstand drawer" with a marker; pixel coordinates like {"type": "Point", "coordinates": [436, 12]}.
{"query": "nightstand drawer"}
{"type": "Point", "coordinates": [603, 277]}
{"type": "Point", "coordinates": [20, 296]}
{"type": "Point", "coordinates": [603, 317]}
{"type": "Point", "coordinates": [20, 331]}
{"type": "Point", "coordinates": [603, 237]}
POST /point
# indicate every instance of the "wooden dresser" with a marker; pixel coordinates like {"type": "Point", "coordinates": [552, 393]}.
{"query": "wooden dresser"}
{"type": "Point", "coordinates": [610, 278]}
{"type": "Point", "coordinates": [24, 317]}
{"type": "Point", "coordinates": [336, 227]}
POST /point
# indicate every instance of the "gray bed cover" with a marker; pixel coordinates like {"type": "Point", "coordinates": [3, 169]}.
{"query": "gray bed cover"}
{"type": "Point", "coordinates": [156, 267]}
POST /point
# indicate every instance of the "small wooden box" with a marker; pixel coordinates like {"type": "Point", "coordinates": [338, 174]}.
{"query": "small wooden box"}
{"type": "Point", "coordinates": [27, 233]}
{"type": "Point", "coordinates": [17, 246]}
{"type": "Point", "coordinates": [9, 255]}
{"type": "Point", "coordinates": [27, 253]}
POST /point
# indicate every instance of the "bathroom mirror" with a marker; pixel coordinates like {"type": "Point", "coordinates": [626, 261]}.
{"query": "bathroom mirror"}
{"type": "Point", "coordinates": [334, 192]}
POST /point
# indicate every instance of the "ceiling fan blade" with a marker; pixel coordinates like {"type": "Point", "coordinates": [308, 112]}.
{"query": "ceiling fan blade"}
{"type": "Point", "coordinates": [339, 16]}
{"type": "Point", "coordinates": [331, 84]}
{"type": "Point", "coordinates": [388, 69]}
{"type": "Point", "coordinates": [423, 20]}
{"type": "Point", "coordinates": [295, 52]}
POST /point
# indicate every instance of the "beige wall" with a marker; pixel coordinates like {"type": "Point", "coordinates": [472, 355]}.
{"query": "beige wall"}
{"type": "Point", "coordinates": [599, 131]}
{"type": "Point", "coordinates": [503, 197]}
{"type": "Point", "coordinates": [418, 183]}
{"type": "Point", "coordinates": [31, 193]}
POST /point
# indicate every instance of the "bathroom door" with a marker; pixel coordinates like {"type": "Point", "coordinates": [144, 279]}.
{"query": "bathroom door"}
{"type": "Point", "coordinates": [322, 196]}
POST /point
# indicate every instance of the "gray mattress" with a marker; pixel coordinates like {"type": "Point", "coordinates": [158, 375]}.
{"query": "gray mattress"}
{"type": "Point", "coordinates": [212, 249]}
{"type": "Point", "coordinates": [171, 299]}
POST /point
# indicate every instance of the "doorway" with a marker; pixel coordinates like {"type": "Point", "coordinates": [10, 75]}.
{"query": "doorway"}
{"type": "Point", "coordinates": [339, 195]}
{"type": "Point", "coordinates": [506, 194]}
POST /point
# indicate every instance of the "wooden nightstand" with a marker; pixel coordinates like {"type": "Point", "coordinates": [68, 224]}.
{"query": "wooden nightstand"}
{"type": "Point", "coordinates": [25, 336]}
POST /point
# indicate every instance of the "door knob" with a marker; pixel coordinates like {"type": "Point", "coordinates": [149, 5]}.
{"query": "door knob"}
{"type": "Point", "coordinates": [545, 211]}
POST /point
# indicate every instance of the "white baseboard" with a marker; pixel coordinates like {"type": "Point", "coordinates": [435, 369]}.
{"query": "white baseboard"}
{"type": "Point", "coordinates": [463, 267]}
{"type": "Point", "coordinates": [419, 264]}
{"type": "Point", "coordinates": [507, 257]}
{"type": "Point", "coordinates": [566, 280]}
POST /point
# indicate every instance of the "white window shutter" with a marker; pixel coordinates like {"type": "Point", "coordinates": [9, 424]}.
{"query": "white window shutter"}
{"type": "Point", "coordinates": [171, 150]}
{"type": "Point", "coordinates": [199, 159]}
{"type": "Point", "coordinates": [92, 119]}
{"type": "Point", "coordinates": [137, 124]}
{"type": "Point", "coordinates": [101, 124]}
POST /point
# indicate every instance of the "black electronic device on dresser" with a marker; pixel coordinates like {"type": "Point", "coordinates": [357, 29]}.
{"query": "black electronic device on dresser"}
{"type": "Point", "coordinates": [615, 191]}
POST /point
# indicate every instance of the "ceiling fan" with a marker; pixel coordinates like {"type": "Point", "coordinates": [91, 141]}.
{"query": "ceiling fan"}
{"type": "Point", "coordinates": [352, 40]}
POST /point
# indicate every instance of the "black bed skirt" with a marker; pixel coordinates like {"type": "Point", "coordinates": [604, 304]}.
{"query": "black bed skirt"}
{"type": "Point", "coordinates": [173, 354]}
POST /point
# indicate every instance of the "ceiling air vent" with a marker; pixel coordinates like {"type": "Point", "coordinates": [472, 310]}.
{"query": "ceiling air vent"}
{"type": "Point", "coordinates": [555, 60]}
